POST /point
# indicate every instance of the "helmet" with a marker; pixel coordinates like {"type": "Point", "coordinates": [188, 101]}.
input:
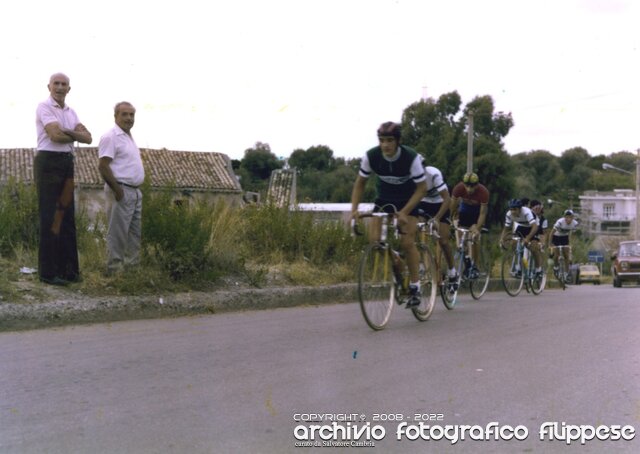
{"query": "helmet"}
{"type": "Point", "coordinates": [534, 203]}
{"type": "Point", "coordinates": [470, 178]}
{"type": "Point", "coordinates": [515, 203]}
{"type": "Point", "coordinates": [568, 213]}
{"type": "Point", "coordinates": [389, 129]}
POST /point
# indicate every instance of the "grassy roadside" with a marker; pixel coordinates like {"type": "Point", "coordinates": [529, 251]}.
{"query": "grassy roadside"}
{"type": "Point", "coordinates": [198, 247]}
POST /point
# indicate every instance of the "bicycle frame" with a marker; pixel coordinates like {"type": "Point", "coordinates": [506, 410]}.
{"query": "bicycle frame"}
{"type": "Point", "coordinates": [562, 273]}
{"type": "Point", "coordinates": [377, 290]}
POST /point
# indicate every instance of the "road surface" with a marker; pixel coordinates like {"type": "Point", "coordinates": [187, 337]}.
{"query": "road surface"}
{"type": "Point", "coordinates": [247, 382]}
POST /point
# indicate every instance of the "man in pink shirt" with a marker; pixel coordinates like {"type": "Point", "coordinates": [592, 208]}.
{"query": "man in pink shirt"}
{"type": "Point", "coordinates": [57, 128]}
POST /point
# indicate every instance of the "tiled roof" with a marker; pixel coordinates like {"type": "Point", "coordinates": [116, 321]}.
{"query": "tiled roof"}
{"type": "Point", "coordinates": [17, 163]}
{"type": "Point", "coordinates": [198, 171]}
{"type": "Point", "coordinates": [282, 187]}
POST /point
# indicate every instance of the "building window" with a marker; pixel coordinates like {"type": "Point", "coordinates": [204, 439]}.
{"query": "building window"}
{"type": "Point", "coordinates": [608, 210]}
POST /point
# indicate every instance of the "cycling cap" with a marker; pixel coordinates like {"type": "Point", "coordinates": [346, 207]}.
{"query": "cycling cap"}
{"type": "Point", "coordinates": [515, 203]}
{"type": "Point", "coordinates": [389, 129]}
{"type": "Point", "coordinates": [470, 178]}
{"type": "Point", "coordinates": [568, 213]}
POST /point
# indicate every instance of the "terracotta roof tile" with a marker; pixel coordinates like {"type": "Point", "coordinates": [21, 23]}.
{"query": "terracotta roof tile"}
{"type": "Point", "coordinates": [282, 187]}
{"type": "Point", "coordinates": [198, 171]}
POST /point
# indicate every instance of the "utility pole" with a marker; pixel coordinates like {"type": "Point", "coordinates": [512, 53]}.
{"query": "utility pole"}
{"type": "Point", "coordinates": [470, 143]}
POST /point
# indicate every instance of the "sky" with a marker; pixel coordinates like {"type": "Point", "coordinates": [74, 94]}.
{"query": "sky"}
{"type": "Point", "coordinates": [223, 75]}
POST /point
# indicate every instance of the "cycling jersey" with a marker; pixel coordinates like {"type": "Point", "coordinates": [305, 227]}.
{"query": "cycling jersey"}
{"type": "Point", "coordinates": [562, 228]}
{"type": "Point", "coordinates": [397, 177]}
{"type": "Point", "coordinates": [435, 184]}
{"type": "Point", "coordinates": [543, 224]}
{"type": "Point", "coordinates": [525, 218]}
{"type": "Point", "coordinates": [470, 203]}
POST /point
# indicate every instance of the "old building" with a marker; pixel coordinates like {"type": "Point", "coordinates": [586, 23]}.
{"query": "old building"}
{"type": "Point", "coordinates": [190, 175]}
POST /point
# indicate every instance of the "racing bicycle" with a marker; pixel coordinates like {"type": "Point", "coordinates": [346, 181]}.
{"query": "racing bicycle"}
{"type": "Point", "coordinates": [518, 269]}
{"type": "Point", "coordinates": [560, 270]}
{"type": "Point", "coordinates": [477, 279]}
{"type": "Point", "coordinates": [383, 276]}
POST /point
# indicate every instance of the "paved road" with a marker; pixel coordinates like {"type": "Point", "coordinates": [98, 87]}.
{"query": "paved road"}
{"type": "Point", "coordinates": [233, 383]}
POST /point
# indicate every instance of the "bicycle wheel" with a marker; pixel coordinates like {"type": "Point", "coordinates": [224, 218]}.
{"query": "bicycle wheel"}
{"type": "Point", "coordinates": [479, 285]}
{"type": "Point", "coordinates": [560, 275]}
{"type": "Point", "coordinates": [538, 283]}
{"type": "Point", "coordinates": [512, 275]}
{"type": "Point", "coordinates": [448, 289]}
{"type": "Point", "coordinates": [376, 289]}
{"type": "Point", "coordinates": [428, 285]}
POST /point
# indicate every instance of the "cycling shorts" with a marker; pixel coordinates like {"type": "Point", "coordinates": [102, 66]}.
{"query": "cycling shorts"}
{"type": "Point", "coordinates": [431, 209]}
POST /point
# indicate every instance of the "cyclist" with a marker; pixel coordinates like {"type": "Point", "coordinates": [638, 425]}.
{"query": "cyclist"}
{"type": "Point", "coordinates": [436, 205]}
{"type": "Point", "coordinates": [526, 225]}
{"type": "Point", "coordinates": [543, 225]}
{"type": "Point", "coordinates": [560, 237]}
{"type": "Point", "coordinates": [401, 184]}
{"type": "Point", "coordinates": [469, 206]}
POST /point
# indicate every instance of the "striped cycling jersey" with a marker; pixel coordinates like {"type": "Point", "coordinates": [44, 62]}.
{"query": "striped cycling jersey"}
{"type": "Point", "coordinates": [397, 177]}
{"type": "Point", "coordinates": [435, 184]}
{"type": "Point", "coordinates": [562, 228]}
{"type": "Point", "coordinates": [526, 218]}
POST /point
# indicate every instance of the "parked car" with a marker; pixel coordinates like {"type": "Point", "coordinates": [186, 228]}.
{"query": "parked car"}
{"type": "Point", "coordinates": [625, 263]}
{"type": "Point", "coordinates": [589, 273]}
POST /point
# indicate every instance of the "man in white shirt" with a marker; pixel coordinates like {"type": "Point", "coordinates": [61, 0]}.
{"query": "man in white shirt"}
{"type": "Point", "coordinates": [560, 237]}
{"type": "Point", "coordinates": [435, 206]}
{"type": "Point", "coordinates": [121, 167]}
{"type": "Point", "coordinates": [526, 225]}
{"type": "Point", "coordinates": [57, 128]}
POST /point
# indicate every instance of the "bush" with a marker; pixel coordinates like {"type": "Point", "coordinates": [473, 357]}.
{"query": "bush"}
{"type": "Point", "coordinates": [191, 245]}
{"type": "Point", "coordinates": [195, 241]}
{"type": "Point", "coordinates": [274, 234]}
{"type": "Point", "coordinates": [19, 217]}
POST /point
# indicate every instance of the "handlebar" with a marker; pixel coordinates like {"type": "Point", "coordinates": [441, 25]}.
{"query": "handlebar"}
{"type": "Point", "coordinates": [355, 229]}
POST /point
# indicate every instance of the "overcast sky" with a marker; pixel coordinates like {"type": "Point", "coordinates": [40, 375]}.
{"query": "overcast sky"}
{"type": "Point", "coordinates": [221, 76]}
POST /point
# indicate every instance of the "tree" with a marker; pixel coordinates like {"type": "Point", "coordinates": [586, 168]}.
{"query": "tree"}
{"type": "Point", "coordinates": [577, 173]}
{"type": "Point", "coordinates": [538, 174]}
{"type": "Point", "coordinates": [319, 157]}
{"type": "Point", "coordinates": [437, 130]}
{"type": "Point", "coordinates": [608, 180]}
{"type": "Point", "coordinates": [256, 167]}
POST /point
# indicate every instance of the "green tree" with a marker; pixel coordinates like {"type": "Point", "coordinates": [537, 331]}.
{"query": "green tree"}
{"type": "Point", "coordinates": [319, 157]}
{"type": "Point", "coordinates": [577, 173]}
{"type": "Point", "coordinates": [608, 180]}
{"type": "Point", "coordinates": [538, 174]}
{"type": "Point", "coordinates": [256, 167]}
{"type": "Point", "coordinates": [437, 130]}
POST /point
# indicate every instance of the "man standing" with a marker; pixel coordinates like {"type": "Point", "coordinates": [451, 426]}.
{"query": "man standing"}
{"type": "Point", "coordinates": [57, 127]}
{"type": "Point", "coordinates": [121, 167]}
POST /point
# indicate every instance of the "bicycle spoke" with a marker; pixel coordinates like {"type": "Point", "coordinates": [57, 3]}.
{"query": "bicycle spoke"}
{"type": "Point", "coordinates": [428, 285]}
{"type": "Point", "coordinates": [376, 290]}
{"type": "Point", "coordinates": [478, 286]}
{"type": "Point", "coordinates": [511, 272]}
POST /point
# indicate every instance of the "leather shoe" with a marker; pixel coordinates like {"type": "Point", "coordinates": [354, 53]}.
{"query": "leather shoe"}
{"type": "Point", "coordinates": [54, 281]}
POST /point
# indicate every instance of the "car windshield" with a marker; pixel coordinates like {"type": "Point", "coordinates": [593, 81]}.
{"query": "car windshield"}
{"type": "Point", "coordinates": [629, 250]}
{"type": "Point", "coordinates": [588, 268]}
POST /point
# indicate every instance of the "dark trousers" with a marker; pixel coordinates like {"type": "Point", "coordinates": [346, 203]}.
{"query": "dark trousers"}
{"type": "Point", "coordinates": [58, 253]}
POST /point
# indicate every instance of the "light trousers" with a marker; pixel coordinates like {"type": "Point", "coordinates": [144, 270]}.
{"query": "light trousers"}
{"type": "Point", "coordinates": [125, 229]}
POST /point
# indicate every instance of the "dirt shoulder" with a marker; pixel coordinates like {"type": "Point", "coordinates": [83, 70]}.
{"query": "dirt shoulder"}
{"type": "Point", "coordinates": [45, 306]}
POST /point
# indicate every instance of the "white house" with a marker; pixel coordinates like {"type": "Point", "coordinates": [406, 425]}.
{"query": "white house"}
{"type": "Point", "coordinates": [608, 213]}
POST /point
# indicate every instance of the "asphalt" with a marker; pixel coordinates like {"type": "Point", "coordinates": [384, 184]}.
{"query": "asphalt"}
{"type": "Point", "coordinates": [69, 308]}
